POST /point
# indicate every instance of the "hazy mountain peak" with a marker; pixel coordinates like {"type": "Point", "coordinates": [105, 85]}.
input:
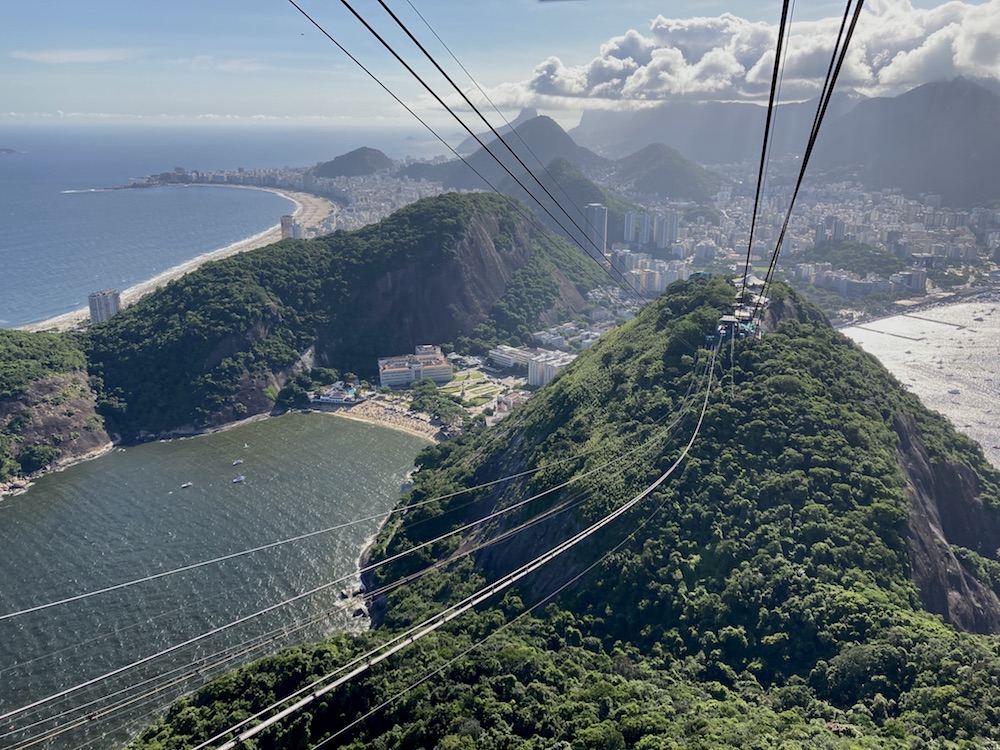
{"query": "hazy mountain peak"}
{"type": "Point", "coordinates": [937, 138]}
{"type": "Point", "coordinates": [356, 163]}
{"type": "Point", "coordinates": [469, 145]}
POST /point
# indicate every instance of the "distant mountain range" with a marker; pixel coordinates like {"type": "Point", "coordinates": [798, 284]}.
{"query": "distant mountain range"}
{"type": "Point", "coordinates": [938, 138]}
{"type": "Point", "coordinates": [705, 132]}
{"type": "Point", "coordinates": [656, 169]}
{"type": "Point", "coordinates": [537, 140]}
{"type": "Point", "coordinates": [358, 163]}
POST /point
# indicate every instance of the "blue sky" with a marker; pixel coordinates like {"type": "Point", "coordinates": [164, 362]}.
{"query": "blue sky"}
{"type": "Point", "coordinates": [261, 59]}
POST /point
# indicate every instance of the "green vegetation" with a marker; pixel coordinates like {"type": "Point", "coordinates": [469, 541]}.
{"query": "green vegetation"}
{"type": "Point", "coordinates": [361, 161]}
{"type": "Point", "coordinates": [662, 171]}
{"type": "Point", "coordinates": [765, 599]}
{"type": "Point", "coordinates": [205, 347]}
{"type": "Point", "coordinates": [571, 188]}
{"type": "Point", "coordinates": [852, 256]}
{"type": "Point", "coordinates": [444, 407]}
{"type": "Point", "coordinates": [27, 357]}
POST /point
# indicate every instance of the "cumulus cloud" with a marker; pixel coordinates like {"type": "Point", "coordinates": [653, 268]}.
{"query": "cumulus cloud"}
{"type": "Point", "coordinates": [75, 56]}
{"type": "Point", "coordinates": [895, 47]}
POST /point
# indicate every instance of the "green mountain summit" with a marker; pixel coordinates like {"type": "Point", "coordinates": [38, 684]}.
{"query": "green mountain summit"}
{"type": "Point", "coordinates": [817, 573]}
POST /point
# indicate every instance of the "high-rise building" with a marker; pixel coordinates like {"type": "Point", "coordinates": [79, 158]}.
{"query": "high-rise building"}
{"type": "Point", "coordinates": [286, 227]}
{"type": "Point", "coordinates": [667, 230]}
{"type": "Point", "coordinates": [645, 229]}
{"type": "Point", "coordinates": [673, 227]}
{"type": "Point", "coordinates": [103, 304]}
{"type": "Point", "coordinates": [630, 226]}
{"type": "Point", "coordinates": [595, 216]}
{"type": "Point", "coordinates": [820, 235]}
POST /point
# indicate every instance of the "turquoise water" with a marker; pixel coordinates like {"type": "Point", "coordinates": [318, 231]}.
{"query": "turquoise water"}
{"type": "Point", "coordinates": [125, 516]}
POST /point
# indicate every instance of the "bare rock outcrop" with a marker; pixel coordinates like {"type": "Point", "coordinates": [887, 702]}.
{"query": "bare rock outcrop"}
{"type": "Point", "coordinates": [57, 413]}
{"type": "Point", "coordinates": [945, 509]}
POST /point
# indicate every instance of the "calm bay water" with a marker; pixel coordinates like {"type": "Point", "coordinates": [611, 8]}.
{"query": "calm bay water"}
{"type": "Point", "coordinates": [56, 246]}
{"type": "Point", "coordinates": [125, 516]}
{"type": "Point", "coordinates": [949, 356]}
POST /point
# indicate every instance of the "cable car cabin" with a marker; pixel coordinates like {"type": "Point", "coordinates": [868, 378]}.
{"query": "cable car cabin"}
{"type": "Point", "coordinates": [730, 327]}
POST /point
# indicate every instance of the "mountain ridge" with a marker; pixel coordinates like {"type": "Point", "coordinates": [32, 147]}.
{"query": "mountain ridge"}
{"type": "Point", "coordinates": [767, 598]}
{"type": "Point", "coordinates": [949, 125]}
{"type": "Point", "coordinates": [235, 337]}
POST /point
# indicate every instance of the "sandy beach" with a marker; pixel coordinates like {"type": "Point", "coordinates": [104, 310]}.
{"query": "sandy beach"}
{"type": "Point", "coordinates": [389, 414]}
{"type": "Point", "coordinates": [310, 212]}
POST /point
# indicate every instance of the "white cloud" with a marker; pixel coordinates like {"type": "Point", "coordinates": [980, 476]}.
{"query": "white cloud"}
{"type": "Point", "coordinates": [202, 63]}
{"type": "Point", "coordinates": [75, 56]}
{"type": "Point", "coordinates": [895, 47]}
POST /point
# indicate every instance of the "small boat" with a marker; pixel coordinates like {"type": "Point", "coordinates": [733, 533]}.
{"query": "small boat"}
{"type": "Point", "coordinates": [239, 479]}
{"type": "Point", "coordinates": [245, 445]}
{"type": "Point", "coordinates": [237, 462]}
{"type": "Point", "coordinates": [186, 485]}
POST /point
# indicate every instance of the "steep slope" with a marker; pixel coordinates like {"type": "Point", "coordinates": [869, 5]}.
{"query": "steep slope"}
{"type": "Point", "coordinates": [219, 343]}
{"type": "Point", "coordinates": [661, 171]}
{"type": "Point", "coordinates": [573, 191]}
{"type": "Point", "coordinates": [362, 161]}
{"type": "Point", "coordinates": [47, 408]}
{"type": "Point", "coordinates": [763, 595]}
{"type": "Point", "coordinates": [537, 140]}
{"type": "Point", "coordinates": [938, 138]}
{"type": "Point", "coordinates": [470, 144]}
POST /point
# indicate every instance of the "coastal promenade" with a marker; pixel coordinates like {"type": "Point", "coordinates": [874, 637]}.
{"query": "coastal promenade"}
{"type": "Point", "coordinates": [311, 212]}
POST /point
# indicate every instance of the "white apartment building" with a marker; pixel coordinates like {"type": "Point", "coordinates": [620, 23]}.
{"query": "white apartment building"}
{"type": "Point", "coordinates": [543, 367]}
{"type": "Point", "coordinates": [103, 304]}
{"type": "Point", "coordinates": [426, 362]}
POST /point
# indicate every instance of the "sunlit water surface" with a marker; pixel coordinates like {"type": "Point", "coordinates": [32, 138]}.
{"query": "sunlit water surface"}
{"type": "Point", "coordinates": [950, 357]}
{"type": "Point", "coordinates": [125, 516]}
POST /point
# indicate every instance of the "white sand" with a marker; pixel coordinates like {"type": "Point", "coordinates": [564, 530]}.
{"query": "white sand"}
{"type": "Point", "coordinates": [310, 212]}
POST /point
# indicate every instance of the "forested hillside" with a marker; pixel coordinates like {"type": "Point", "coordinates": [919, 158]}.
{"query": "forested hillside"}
{"type": "Point", "coordinates": [221, 342]}
{"type": "Point", "coordinates": [808, 577]}
{"type": "Point", "coordinates": [46, 406]}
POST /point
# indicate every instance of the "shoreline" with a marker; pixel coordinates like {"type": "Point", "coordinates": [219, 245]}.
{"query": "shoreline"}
{"type": "Point", "coordinates": [22, 484]}
{"type": "Point", "coordinates": [380, 414]}
{"type": "Point", "coordinates": [310, 211]}
{"type": "Point", "coordinates": [385, 419]}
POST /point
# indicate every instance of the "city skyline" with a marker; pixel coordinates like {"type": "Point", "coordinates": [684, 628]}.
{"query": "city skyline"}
{"type": "Point", "coordinates": [263, 61]}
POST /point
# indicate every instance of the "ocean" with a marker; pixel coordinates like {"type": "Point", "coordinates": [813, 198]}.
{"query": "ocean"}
{"type": "Point", "coordinates": [61, 237]}
{"type": "Point", "coordinates": [125, 516]}
{"type": "Point", "coordinates": [948, 356]}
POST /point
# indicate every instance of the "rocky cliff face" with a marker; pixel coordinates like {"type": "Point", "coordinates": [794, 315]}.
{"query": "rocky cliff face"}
{"type": "Point", "coordinates": [946, 509]}
{"type": "Point", "coordinates": [429, 301]}
{"type": "Point", "coordinates": [56, 423]}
